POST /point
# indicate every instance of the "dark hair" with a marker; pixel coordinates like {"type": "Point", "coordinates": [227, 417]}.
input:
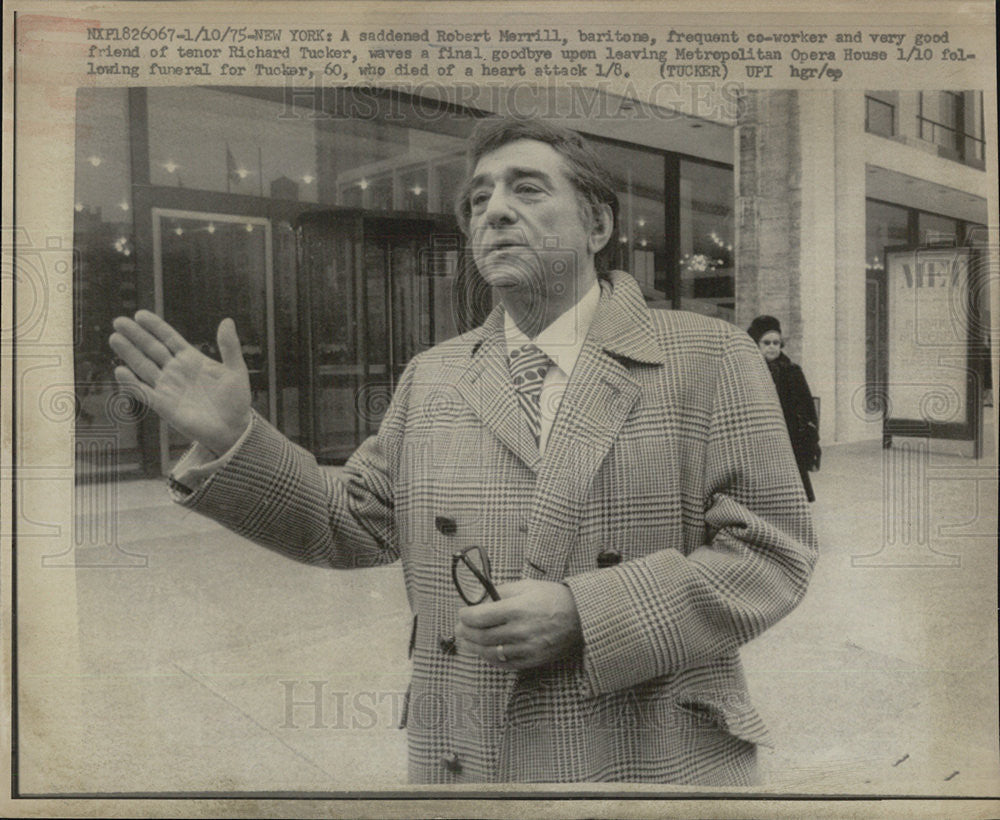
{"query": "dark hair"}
{"type": "Point", "coordinates": [762, 325]}
{"type": "Point", "coordinates": [585, 172]}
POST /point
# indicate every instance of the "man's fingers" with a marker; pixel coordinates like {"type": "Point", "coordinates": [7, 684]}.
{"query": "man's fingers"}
{"type": "Point", "coordinates": [127, 378]}
{"type": "Point", "coordinates": [139, 364]}
{"type": "Point", "coordinates": [483, 616]}
{"type": "Point", "coordinates": [513, 654]}
{"type": "Point", "coordinates": [143, 340]}
{"type": "Point", "coordinates": [229, 344]}
{"type": "Point", "coordinates": [171, 339]}
{"type": "Point", "coordinates": [490, 613]}
{"type": "Point", "coordinates": [506, 633]}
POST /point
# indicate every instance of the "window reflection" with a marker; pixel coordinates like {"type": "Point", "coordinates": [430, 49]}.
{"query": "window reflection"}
{"type": "Point", "coordinates": [887, 225]}
{"type": "Point", "coordinates": [707, 275]}
{"type": "Point", "coordinates": [937, 230]}
{"type": "Point", "coordinates": [199, 138]}
{"type": "Point", "coordinates": [104, 275]}
{"type": "Point", "coordinates": [639, 181]}
{"type": "Point", "coordinates": [413, 183]}
{"type": "Point", "coordinates": [390, 167]}
{"type": "Point", "coordinates": [880, 112]}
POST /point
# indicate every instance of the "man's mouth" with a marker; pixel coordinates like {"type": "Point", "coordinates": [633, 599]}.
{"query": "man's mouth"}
{"type": "Point", "coordinates": [504, 244]}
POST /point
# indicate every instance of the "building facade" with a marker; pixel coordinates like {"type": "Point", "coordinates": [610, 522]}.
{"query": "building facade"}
{"type": "Point", "coordinates": [827, 182]}
{"type": "Point", "coordinates": [322, 222]}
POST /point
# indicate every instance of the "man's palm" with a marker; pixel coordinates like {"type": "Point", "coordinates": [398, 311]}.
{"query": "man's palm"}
{"type": "Point", "coordinates": [206, 400]}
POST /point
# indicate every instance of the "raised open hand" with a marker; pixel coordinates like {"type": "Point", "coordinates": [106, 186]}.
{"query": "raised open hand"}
{"type": "Point", "coordinates": [206, 400]}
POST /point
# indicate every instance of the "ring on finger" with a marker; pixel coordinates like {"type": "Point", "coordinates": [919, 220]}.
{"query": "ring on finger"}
{"type": "Point", "coordinates": [500, 654]}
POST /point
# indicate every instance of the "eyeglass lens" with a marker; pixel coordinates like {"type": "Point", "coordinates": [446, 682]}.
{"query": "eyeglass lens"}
{"type": "Point", "coordinates": [470, 585]}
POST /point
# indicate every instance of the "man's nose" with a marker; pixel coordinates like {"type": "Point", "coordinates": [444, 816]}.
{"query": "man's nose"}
{"type": "Point", "coordinates": [498, 209]}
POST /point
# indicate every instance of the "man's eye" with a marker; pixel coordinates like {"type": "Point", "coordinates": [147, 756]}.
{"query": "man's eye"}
{"type": "Point", "coordinates": [528, 188]}
{"type": "Point", "coordinates": [479, 199]}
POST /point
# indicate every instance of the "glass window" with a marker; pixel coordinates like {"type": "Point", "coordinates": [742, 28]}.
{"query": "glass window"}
{"type": "Point", "coordinates": [413, 189]}
{"type": "Point", "coordinates": [879, 117]}
{"type": "Point", "coordinates": [706, 275]}
{"type": "Point", "coordinates": [641, 241]}
{"type": "Point", "coordinates": [886, 226]}
{"type": "Point", "coordinates": [287, 335]}
{"type": "Point", "coordinates": [938, 113]}
{"type": "Point", "coordinates": [104, 276]}
{"type": "Point", "coordinates": [936, 230]}
{"type": "Point", "coordinates": [973, 127]}
{"type": "Point", "coordinates": [953, 120]}
{"type": "Point", "coordinates": [388, 166]}
{"type": "Point", "coordinates": [199, 138]}
{"type": "Point", "coordinates": [449, 176]}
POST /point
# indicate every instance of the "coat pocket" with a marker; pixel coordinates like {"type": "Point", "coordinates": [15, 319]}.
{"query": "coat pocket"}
{"type": "Point", "coordinates": [731, 713]}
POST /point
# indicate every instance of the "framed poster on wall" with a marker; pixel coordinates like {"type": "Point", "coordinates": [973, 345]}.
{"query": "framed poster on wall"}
{"type": "Point", "coordinates": [933, 325]}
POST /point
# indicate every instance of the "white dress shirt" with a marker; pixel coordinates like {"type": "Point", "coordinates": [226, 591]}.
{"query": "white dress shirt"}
{"type": "Point", "coordinates": [562, 342]}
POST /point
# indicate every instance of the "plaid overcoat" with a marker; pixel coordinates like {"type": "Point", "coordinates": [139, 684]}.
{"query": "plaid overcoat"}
{"type": "Point", "coordinates": [668, 501]}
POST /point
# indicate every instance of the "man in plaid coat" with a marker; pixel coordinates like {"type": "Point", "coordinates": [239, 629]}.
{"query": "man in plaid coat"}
{"type": "Point", "coordinates": [639, 504]}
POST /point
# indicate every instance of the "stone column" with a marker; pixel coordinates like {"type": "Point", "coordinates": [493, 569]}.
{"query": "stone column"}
{"type": "Point", "coordinates": [820, 241]}
{"type": "Point", "coordinates": [853, 422]}
{"type": "Point", "coordinates": [800, 225]}
{"type": "Point", "coordinates": [769, 211]}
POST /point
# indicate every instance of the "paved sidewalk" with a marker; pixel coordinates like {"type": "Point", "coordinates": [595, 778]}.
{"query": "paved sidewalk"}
{"type": "Point", "coordinates": [885, 677]}
{"type": "Point", "coordinates": [210, 665]}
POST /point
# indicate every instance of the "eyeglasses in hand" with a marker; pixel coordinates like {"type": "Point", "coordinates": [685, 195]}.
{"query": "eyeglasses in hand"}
{"type": "Point", "coordinates": [470, 570]}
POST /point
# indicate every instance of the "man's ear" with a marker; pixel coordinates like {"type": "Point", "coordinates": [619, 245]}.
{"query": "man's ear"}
{"type": "Point", "coordinates": [602, 223]}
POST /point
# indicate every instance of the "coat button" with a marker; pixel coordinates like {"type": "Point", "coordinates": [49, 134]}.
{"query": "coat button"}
{"type": "Point", "coordinates": [447, 644]}
{"type": "Point", "coordinates": [451, 762]}
{"type": "Point", "coordinates": [445, 525]}
{"type": "Point", "coordinates": [608, 558]}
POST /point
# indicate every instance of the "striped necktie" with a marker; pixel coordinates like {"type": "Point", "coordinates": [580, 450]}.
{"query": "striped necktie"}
{"type": "Point", "coordinates": [528, 365]}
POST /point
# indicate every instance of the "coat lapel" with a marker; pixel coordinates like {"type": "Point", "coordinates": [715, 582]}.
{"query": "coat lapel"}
{"type": "Point", "coordinates": [487, 388]}
{"type": "Point", "coordinates": [599, 398]}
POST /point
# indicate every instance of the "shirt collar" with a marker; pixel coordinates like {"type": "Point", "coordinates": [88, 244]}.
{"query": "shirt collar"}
{"type": "Point", "coordinates": [563, 339]}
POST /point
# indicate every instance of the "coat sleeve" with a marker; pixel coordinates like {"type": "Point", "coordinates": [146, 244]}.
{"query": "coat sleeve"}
{"type": "Point", "coordinates": [803, 425]}
{"type": "Point", "coordinates": [273, 492]}
{"type": "Point", "coordinates": [667, 611]}
{"type": "Point", "coordinates": [803, 395]}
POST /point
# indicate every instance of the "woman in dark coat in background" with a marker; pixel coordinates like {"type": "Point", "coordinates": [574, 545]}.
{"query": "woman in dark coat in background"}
{"type": "Point", "coordinates": [794, 394]}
